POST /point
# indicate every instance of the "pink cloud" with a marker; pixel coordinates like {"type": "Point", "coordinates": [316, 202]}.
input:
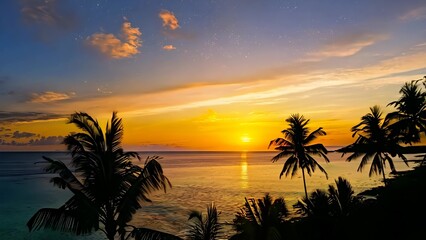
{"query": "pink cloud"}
{"type": "Point", "coordinates": [124, 46]}
{"type": "Point", "coordinates": [169, 20]}
{"type": "Point", "coordinates": [169, 47]}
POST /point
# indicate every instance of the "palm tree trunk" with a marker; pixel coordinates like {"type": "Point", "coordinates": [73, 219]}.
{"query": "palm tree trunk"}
{"type": "Point", "coordinates": [384, 177]}
{"type": "Point", "coordinates": [304, 183]}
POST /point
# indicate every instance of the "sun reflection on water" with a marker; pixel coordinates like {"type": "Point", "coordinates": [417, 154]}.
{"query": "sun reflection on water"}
{"type": "Point", "coordinates": [244, 171]}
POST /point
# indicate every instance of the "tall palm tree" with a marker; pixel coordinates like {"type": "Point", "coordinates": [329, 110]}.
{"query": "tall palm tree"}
{"type": "Point", "coordinates": [296, 146]}
{"type": "Point", "coordinates": [261, 219]}
{"type": "Point", "coordinates": [207, 228]}
{"type": "Point", "coordinates": [107, 187]}
{"type": "Point", "coordinates": [375, 141]}
{"type": "Point", "coordinates": [410, 117]}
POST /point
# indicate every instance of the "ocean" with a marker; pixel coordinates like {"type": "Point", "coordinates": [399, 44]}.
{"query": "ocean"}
{"type": "Point", "coordinates": [198, 178]}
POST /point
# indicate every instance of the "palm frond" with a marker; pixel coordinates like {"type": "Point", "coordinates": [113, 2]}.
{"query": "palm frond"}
{"type": "Point", "coordinates": [314, 135]}
{"type": "Point", "coordinates": [205, 229]}
{"type": "Point", "coordinates": [289, 167]}
{"type": "Point", "coordinates": [65, 173]}
{"type": "Point", "coordinates": [284, 153]}
{"type": "Point", "coordinates": [86, 123]}
{"type": "Point", "coordinates": [150, 234]}
{"type": "Point", "coordinates": [149, 179]}
{"type": "Point", "coordinates": [60, 220]}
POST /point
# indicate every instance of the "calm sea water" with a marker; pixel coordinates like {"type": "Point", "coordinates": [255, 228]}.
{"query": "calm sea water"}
{"type": "Point", "coordinates": [198, 178]}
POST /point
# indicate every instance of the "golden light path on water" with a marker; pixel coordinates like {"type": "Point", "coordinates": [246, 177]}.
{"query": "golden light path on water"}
{"type": "Point", "coordinates": [244, 171]}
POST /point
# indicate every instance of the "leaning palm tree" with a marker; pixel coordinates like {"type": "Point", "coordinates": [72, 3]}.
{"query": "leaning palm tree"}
{"type": "Point", "coordinates": [410, 117]}
{"type": "Point", "coordinates": [296, 146]}
{"type": "Point", "coordinates": [375, 141]}
{"type": "Point", "coordinates": [207, 228]}
{"type": "Point", "coordinates": [261, 219]}
{"type": "Point", "coordinates": [107, 188]}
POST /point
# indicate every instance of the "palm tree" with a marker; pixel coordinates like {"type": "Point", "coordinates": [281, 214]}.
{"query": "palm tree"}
{"type": "Point", "coordinates": [339, 201]}
{"type": "Point", "coordinates": [343, 200]}
{"type": "Point", "coordinates": [205, 229]}
{"type": "Point", "coordinates": [410, 117]}
{"type": "Point", "coordinates": [375, 141]}
{"type": "Point", "coordinates": [261, 219]}
{"type": "Point", "coordinates": [107, 187]}
{"type": "Point", "coordinates": [317, 205]}
{"type": "Point", "coordinates": [295, 145]}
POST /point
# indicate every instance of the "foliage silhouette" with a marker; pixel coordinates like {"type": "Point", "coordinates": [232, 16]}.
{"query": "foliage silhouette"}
{"type": "Point", "coordinates": [295, 146]}
{"type": "Point", "coordinates": [107, 187]}
{"type": "Point", "coordinates": [375, 141]}
{"type": "Point", "coordinates": [261, 219]}
{"type": "Point", "coordinates": [338, 201]}
{"type": "Point", "coordinates": [410, 117]}
{"type": "Point", "coordinates": [207, 228]}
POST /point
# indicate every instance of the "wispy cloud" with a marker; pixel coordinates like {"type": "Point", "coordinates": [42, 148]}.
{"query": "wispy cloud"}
{"type": "Point", "coordinates": [45, 12]}
{"type": "Point", "coordinates": [3, 129]}
{"type": "Point", "coordinates": [124, 46]}
{"type": "Point", "coordinates": [414, 14]}
{"type": "Point", "coordinates": [252, 97]}
{"type": "Point", "coordinates": [49, 96]}
{"type": "Point", "coordinates": [346, 46]}
{"type": "Point", "coordinates": [169, 20]}
{"type": "Point", "coordinates": [18, 134]}
{"type": "Point", "coordinates": [42, 141]}
{"type": "Point", "coordinates": [169, 47]}
{"type": "Point", "coordinates": [8, 117]}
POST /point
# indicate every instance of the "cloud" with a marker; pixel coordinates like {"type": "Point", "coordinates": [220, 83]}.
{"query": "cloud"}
{"type": "Point", "coordinates": [346, 46]}
{"type": "Point", "coordinates": [50, 140]}
{"type": "Point", "coordinates": [48, 96]}
{"type": "Point", "coordinates": [169, 20]}
{"type": "Point", "coordinates": [47, 13]}
{"type": "Point", "coordinates": [8, 117]}
{"type": "Point", "coordinates": [43, 141]}
{"type": "Point", "coordinates": [18, 134]}
{"type": "Point", "coordinates": [123, 47]}
{"type": "Point", "coordinates": [414, 14]}
{"type": "Point", "coordinates": [3, 129]}
{"type": "Point", "coordinates": [169, 47]}
{"type": "Point", "coordinates": [245, 97]}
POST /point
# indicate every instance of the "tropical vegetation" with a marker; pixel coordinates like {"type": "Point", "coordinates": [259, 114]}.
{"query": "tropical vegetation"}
{"type": "Point", "coordinates": [409, 119]}
{"type": "Point", "coordinates": [107, 188]}
{"type": "Point", "coordinates": [374, 143]}
{"type": "Point", "coordinates": [263, 218]}
{"type": "Point", "coordinates": [297, 146]}
{"type": "Point", "coordinates": [207, 227]}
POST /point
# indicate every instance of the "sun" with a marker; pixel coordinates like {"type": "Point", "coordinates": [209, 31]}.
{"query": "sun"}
{"type": "Point", "coordinates": [245, 139]}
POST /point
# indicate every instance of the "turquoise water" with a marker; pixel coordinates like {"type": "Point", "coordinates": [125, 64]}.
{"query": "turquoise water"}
{"type": "Point", "coordinates": [198, 178]}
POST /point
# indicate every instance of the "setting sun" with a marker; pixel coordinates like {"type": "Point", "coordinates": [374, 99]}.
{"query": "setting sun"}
{"type": "Point", "coordinates": [245, 139]}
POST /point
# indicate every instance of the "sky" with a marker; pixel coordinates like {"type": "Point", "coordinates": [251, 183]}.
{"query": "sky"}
{"type": "Point", "coordinates": [202, 75]}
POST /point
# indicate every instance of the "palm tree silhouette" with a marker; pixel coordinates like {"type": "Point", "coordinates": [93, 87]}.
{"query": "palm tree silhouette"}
{"type": "Point", "coordinates": [343, 200]}
{"type": "Point", "coordinates": [261, 219]}
{"type": "Point", "coordinates": [375, 141]}
{"type": "Point", "coordinates": [107, 187]}
{"type": "Point", "coordinates": [207, 228]}
{"type": "Point", "coordinates": [317, 205]}
{"type": "Point", "coordinates": [410, 117]}
{"type": "Point", "coordinates": [338, 201]}
{"type": "Point", "coordinates": [295, 145]}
